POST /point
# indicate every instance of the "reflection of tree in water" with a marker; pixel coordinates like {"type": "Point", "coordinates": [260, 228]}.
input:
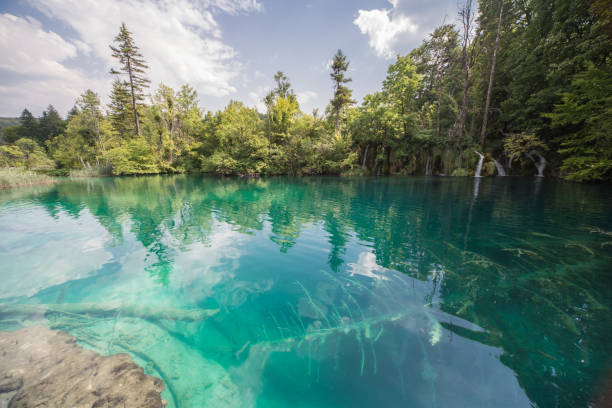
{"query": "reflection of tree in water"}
{"type": "Point", "coordinates": [542, 293]}
{"type": "Point", "coordinates": [542, 297]}
{"type": "Point", "coordinates": [338, 239]}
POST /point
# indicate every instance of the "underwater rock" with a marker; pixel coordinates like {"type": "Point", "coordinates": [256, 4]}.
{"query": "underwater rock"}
{"type": "Point", "coordinates": [42, 367]}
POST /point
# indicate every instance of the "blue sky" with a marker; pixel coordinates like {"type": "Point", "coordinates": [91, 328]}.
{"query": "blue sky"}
{"type": "Point", "coordinates": [53, 50]}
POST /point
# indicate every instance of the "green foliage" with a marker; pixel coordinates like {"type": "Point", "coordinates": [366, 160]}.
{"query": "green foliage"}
{"type": "Point", "coordinates": [6, 122]}
{"type": "Point", "coordinates": [10, 134]}
{"type": "Point", "coordinates": [25, 153]}
{"type": "Point", "coordinates": [585, 114]}
{"type": "Point", "coordinates": [460, 173]}
{"type": "Point", "coordinates": [133, 156]}
{"type": "Point", "coordinates": [120, 109]}
{"type": "Point", "coordinates": [401, 87]}
{"type": "Point", "coordinates": [517, 144]}
{"type": "Point", "coordinates": [50, 125]}
{"type": "Point", "coordinates": [342, 94]}
{"type": "Point", "coordinates": [28, 127]}
{"type": "Point", "coordinates": [241, 147]}
{"type": "Point", "coordinates": [70, 151]}
{"type": "Point", "coordinates": [550, 93]}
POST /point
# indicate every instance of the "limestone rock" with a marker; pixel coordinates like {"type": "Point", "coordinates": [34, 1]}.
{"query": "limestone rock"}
{"type": "Point", "coordinates": [40, 367]}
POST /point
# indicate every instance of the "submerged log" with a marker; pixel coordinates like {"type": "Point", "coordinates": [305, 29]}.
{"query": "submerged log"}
{"type": "Point", "coordinates": [42, 367]}
{"type": "Point", "coordinates": [108, 309]}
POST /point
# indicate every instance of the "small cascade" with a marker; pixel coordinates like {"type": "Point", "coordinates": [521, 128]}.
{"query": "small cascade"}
{"type": "Point", "coordinates": [501, 172]}
{"type": "Point", "coordinates": [479, 166]}
{"type": "Point", "coordinates": [540, 163]}
{"type": "Point", "coordinates": [428, 166]}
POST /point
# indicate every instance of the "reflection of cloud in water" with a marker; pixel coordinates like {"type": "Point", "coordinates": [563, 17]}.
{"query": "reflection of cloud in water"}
{"type": "Point", "coordinates": [366, 266]}
{"type": "Point", "coordinates": [204, 265]}
{"type": "Point", "coordinates": [33, 261]}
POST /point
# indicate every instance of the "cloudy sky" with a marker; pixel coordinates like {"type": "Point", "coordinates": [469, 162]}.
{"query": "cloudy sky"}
{"type": "Point", "coordinates": [53, 50]}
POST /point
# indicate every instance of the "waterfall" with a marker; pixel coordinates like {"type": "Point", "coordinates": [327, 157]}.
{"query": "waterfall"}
{"type": "Point", "coordinates": [540, 164]}
{"type": "Point", "coordinates": [500, 168]}
{"type": "Point", "coordinates": [479, 166]}
{"type": "Point", "coordinates": [365, 157]}
{"type": "Point", "coordinates": [428, 166]}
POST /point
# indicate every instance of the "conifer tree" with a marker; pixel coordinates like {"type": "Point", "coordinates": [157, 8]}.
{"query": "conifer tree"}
{"type": "Point", "coordinates": [342, 95]}
{"type": "Point", "coordinates": [120, 108]}
{"type": "Point", "coordinates": [133, 66]}
{"type": "Point", "coordinates": [91, 114]}
{"type": "Point", "coordinates": [51, 124]}
{"type": "Point", "coordinates": [28, 125]}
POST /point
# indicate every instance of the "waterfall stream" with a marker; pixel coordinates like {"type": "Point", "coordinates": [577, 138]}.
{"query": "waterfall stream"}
{"type": "Point", "coordinates": [479, 166]}
{"type": "Point", "coordinates": [500, 168]}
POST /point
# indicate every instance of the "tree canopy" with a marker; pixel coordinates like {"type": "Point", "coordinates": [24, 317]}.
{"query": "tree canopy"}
{"type": "Point", "coordinates": [528, 83]}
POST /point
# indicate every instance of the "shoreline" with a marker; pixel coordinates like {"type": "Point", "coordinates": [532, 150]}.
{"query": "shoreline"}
{"type": "Point", "coordinates": [40, 366]}
{"type": "Point", "coordinates": [39, 183]}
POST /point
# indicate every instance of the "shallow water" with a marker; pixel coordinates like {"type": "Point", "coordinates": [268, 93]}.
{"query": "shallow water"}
{"type": "Point", "coordinates": [317, 292]}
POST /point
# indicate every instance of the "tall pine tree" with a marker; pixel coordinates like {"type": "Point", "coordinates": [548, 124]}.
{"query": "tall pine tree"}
{"type": "Point", "coordinates": [51, 124]}
{"type": "Point", "coordinates": [133, 66]}
{"type": "Point", "coordinates": [28, 125]}
{"type": "Point", "coordinates": [342, 95]}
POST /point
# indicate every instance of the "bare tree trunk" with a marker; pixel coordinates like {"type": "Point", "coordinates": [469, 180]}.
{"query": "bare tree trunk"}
{"type": "Point", "coordinates": [483, 131]}
{"type": "Point", "coordinates": [438, 112]}
{"type": "Point", "coordinates": [171, 140]}
{"type": "Point", "coordinates": [466, 18]}
{"type": "Point", "coordinates": [337, 129]}
{"type": "Point", "coordinates": [463, 109]}
{"type": "Point", "coordinates": [136, 121]}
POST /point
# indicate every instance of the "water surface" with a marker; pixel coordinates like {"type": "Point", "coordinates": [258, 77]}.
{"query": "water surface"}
{"type": "Point", "coordinates": [324, 292]}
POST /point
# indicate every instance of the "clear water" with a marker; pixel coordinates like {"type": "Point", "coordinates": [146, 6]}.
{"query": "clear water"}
{"type": "Point", "coordinates": [324, 292]}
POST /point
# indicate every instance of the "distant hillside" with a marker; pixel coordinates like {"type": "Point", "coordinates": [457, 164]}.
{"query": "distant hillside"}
{"type": "Point", "coordinates": [4, 122]}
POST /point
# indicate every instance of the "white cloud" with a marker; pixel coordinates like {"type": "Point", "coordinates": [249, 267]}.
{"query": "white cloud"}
{"type": "Point", "coordinates": [256, 97]}
{"type": "Point", "coordinates": [385, 28]}
{"type": "Point", "coordinates": [28, 49]}
{"type": "Point", "coordinates": [233, 6]}
{"type": "Point", "coordinates": [38, 58]}
{"type": "Point", "coordinates": [180, 40]}
{"type": "Point", "coordinates": [306, 96]}
{"type": "Point", "coordinates": [324, 67]}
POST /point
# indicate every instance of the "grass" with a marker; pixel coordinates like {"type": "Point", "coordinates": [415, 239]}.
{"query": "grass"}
{"type": "Point", "coordinates": [93, 171]}
{"type": "Point", "coordinates": [19, 177]}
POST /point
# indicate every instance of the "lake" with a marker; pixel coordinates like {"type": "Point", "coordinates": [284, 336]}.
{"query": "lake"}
{"type": "Point", "coordinates": [324, 292]}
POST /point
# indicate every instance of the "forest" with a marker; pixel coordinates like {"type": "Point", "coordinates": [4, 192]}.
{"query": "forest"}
{"type": "Point", "coordinates": [524, 86]}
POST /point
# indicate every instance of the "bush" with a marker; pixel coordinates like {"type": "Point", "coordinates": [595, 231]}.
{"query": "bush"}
{"type": "Point", "coordinates": [133, 157]}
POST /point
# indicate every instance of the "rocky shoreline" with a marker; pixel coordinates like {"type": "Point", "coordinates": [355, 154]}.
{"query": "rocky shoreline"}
{"type": "Point", "coordinates": [40, 367]}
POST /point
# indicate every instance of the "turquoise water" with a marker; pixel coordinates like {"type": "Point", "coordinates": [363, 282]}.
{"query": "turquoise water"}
{"type": "Point", "coordinates": [324, 292]}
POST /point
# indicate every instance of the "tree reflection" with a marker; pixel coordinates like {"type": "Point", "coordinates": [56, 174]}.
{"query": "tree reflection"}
{"type": "Point", "coordinates": [531, 271]}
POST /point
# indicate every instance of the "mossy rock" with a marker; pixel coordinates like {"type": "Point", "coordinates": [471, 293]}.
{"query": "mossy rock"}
{"type": "Point", "coordinates": [460, 173]}
{"type": "Point", "coordinates": [488, 169]}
